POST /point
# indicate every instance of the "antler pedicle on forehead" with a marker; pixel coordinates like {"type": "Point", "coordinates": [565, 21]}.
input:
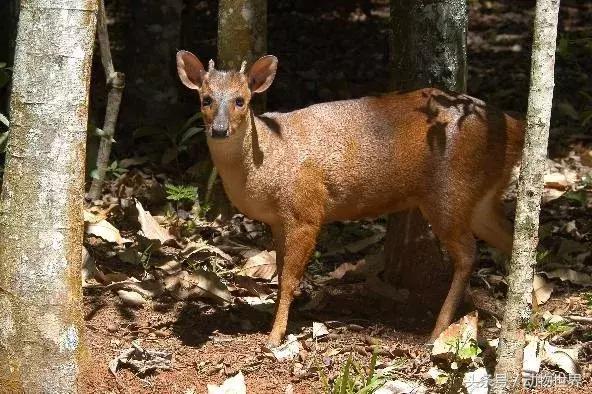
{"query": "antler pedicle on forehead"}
{"type": "Point", "coordinates": [243, 66]}
{"type": "Point", "coordinates": [211, 65]}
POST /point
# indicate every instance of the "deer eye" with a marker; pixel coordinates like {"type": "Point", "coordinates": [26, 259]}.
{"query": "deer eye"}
{"type": "Point", "coordinates": [240, 102]}
{"type": "Point", "coordinates": [207, 101]}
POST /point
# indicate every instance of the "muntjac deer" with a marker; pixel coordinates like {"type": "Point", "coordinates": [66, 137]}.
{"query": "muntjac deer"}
{"type": "Point", "coordinates": [450, 155]}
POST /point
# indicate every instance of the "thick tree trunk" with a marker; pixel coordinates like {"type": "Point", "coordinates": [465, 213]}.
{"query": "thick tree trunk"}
{"type": "Point", "coordinates": [530, 189]}
{"type": "Point", "coordinates": [41, 223]}
{"type": "Point", "coordinates": [242, 36]}
{"type": "Point", "coordinates": [428, 49]}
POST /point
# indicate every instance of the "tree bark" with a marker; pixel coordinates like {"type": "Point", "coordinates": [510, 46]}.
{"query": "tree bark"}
{"type": "Point", "coordinates": [428, 49]}
{"type": "Point", "coordinates": [242, 36]}
{"type": "Point", "coordinates": [530, 189]}
{"type": "Point", "coordinates": [41, 223]}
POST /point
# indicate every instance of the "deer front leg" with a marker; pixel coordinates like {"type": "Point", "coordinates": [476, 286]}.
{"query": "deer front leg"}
{"type": "Point", "coordinates": [295, 244]}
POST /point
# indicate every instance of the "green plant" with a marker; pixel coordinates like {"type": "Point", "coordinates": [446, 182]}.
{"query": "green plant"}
{"type": "Point", "coordinates": [578, 196]}
{"type": "Point", "coordinates": [113, 171]}
{"type": "Point", "coordinates": [588, 298]}
{"type": "Point", "coordinates": [180, 193]}
{"type": "Point", "coordinates": [558, 327]}
{"type": "Point", "coordinates": [353, 379]}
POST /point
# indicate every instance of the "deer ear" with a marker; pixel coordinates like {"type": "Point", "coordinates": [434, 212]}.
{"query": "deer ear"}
{"type": "Point", "coordinates": [262, 73]}
{"type": "Point", "coordinates": [190, 70]}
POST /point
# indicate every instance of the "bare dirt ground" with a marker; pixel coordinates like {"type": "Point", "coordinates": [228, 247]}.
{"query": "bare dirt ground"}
{"type": "Point", "coordinates": [210, 341]}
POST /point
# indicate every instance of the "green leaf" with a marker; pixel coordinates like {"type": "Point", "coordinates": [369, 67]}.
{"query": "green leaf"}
{"type": "Point", "coordinates": [586, 117]}
{"type": "Point", "coordinates": [94, 174]}
{"type": "Point", "coordinates": [566, 109]}
{"type": "Point", "coordinates": [190, 133]}
{"type": "Point", "coordinates": [191, 120]}
{"type": "Point", "coordinates": [180, 193]}
{"type": "Point", "coordinates": [578, 196]}
{"type": "Point", "coordinates": [4, 120]}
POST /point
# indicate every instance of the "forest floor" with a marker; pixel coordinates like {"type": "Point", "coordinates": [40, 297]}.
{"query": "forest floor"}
{"type": "Point", "coordinates": [197, 295]}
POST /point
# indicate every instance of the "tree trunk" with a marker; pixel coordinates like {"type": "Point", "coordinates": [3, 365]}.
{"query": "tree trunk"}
{"type": "Point", "coordinates": [242, 36]}
{"type": "Point", "coordinates": [41, 223]}
{"type": "Point", "coordinates": [428, 49]}
{"type": "Point", "coordinates": [242, 31]}
{"type": "Point", "coordinates": [115, 82]}
{"type": "Point", "coordinates": [530, 189]}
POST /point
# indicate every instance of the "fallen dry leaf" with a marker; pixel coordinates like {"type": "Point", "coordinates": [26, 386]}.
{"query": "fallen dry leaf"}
{"type": "Point", "coordinates": [199, 283]}
{"type": "Point", "coordinates": [541, 351]}
{"type": "Point", "coordinates": [131, 298]}
{"type": "Point", "coordinates": [556, 180]}
{"type": "Point", "coordinates": [319, 330]}
{"type": "Point", "coordinates": [353, 269]}
{"type": "Point", "coordinates": [150, 227]}
{"type": "Point", "coordinates": [564, 358]}
{"type": "Point", "coordinates": [459, 341]}
{"type": "Point", "coordinates": [233, 385]}
{"type": "Point", "coordinates": [259, 264]}
{"type": "Point", "coordinates": [105, 230]}
{"type": "Point", "coordinates": [141, 360]}
{"type": "Point", "coordinates": [552, 194]}
{"type": "Point", "coordinates": [542, 289]}
{"type": "Point", "coordinates": [566, 274]}
{"type": "Point", "coordinates": [288, 350]}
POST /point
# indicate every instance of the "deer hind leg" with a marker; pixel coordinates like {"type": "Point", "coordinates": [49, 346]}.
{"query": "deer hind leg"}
{"type": "Point", "coordinates": [456, 236]}
{"type": "Point", "coordinates": [295, 245]}
{"type": "Point", "coordinates": [489, 223]}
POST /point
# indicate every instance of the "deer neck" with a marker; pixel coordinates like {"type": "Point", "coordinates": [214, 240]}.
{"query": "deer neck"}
{"type": "Point", "coordinates": [237, 155]}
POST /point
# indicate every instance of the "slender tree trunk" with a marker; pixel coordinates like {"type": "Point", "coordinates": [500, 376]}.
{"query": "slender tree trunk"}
{"type": "Point", "coordinates": [428, 49]}
{"type": "Point", "coordinates": [115, 83]}
{"type": "Point", "coordinates": [530, 189]}
{"type": "Point", "coordinates": [41, 223]}
{"type": "Point", "coordinates": [242, 36]}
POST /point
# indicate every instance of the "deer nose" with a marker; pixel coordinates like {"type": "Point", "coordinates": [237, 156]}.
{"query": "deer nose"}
{"type": "Point", "coordinates": [219, 131]}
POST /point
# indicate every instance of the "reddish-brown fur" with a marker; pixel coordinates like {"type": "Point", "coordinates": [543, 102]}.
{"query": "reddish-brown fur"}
{"type": "Point", "coordinates": [448, 154]}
